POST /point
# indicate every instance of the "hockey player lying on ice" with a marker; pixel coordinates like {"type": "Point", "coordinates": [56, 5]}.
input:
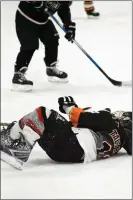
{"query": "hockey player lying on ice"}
{"type": "Point", "coordinates": [86, 137]}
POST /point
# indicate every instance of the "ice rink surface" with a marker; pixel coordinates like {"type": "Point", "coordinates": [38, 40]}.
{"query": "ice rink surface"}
{"type": "Point", "coordinates": [108, 41]}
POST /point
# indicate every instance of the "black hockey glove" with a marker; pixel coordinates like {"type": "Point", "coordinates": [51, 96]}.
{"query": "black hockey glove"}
{"type": "Point", "coordinates": [66, 102]}
{"type": "Point", "coordinates": [70, 31]}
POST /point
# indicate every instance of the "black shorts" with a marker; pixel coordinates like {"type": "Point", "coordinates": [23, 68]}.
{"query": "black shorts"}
{"type": "Point", "coordinates": [29, 33]}
{"type": "Point", "coordinates": [59, 141]}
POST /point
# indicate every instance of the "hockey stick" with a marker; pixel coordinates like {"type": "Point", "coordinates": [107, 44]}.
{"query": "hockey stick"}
{"type": "Point", "coordinates": [114, 82]}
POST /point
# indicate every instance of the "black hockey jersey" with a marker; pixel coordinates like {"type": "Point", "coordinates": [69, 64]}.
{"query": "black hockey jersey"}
{"type": "Point", "coordinates": [108, 131]}
{"type": "Point", "coordinates": [35, 10]}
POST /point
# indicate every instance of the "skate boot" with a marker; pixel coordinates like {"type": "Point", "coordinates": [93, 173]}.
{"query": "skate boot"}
{"type": "Point", "coordinates": [92, 13]}
{"type": "Point", "coordinates": [55, 75]}
{"type": "Point", "coordinates": [20, 83]}
{"type": "Point", "coordinates": [14, 151]}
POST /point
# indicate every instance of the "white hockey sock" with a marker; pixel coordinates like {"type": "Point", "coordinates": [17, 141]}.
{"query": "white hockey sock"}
{"type": "Point", "coordinates": [15, 131]}
{"type": "Point", "coordinates": [30, 135]}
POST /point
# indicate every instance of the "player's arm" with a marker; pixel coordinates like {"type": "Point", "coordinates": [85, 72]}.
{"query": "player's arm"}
{"type": "Point", "coordinates": [65, 16]}
{"type": "Point", "coordinates": [64, 12]}
{"type": "Point", "coordinates": [101, 120]}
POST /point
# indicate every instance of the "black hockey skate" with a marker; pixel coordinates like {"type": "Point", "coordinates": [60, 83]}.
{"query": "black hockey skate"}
{"type": "Point", "coordinates": [55, 75]}
{"type": "Point", "coordinates": [92, 13]}
{"type": "Point", "coordinates": [14, 152]}
{"type": "Point", "coordinates": [20, 83]}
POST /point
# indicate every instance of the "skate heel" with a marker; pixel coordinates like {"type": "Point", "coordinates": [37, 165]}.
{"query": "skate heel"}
{"type": "Point", "coordinates": [20, 83]}
{"type": "Point", "coordinates": [54, 79]}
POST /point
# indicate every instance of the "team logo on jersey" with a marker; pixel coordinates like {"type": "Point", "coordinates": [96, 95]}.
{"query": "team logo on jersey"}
{"type": "Point", "coordinates": [116, 140]}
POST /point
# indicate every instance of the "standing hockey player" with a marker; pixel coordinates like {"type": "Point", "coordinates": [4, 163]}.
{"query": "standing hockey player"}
{"type": "Point", "coordinates": [87, 137]}
{"type": "Point", "coordinates": [32, 24]}
{"type": "Point", "coordinates": [90, 9]}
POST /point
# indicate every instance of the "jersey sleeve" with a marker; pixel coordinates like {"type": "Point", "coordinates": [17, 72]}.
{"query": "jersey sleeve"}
{"type": "Point", "coordinates": [96, 121]}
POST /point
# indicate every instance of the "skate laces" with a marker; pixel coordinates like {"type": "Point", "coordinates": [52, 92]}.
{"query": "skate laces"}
{"type": "Point", "coordinates": [20, 141]}
{"type": "Point", "coordinates": [54, 66]}
{"type": "Point", "coordinates": [57, 71]}
{"type": "Point", "coordinates": [8, 127]}
{"type": "Point", "coordinates": [22, 75]}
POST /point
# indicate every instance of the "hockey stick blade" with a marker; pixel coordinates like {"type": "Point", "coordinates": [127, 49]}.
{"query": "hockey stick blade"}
{"type": "Point", "coordinates": [121, 83]}
{"type": "Point", "coordinates": [127, 83]}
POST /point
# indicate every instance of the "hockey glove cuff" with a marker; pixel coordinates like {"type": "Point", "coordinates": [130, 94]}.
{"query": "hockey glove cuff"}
{"type": "Point", "coordinates": [74, 115]}
{"type": "Point", "coordinates": [70, 31]}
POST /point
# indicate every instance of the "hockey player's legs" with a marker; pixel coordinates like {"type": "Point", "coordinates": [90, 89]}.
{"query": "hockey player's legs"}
{"type": "Point", "coordinates": [14, 148]}
{"type": "Point", "coordinates": [28, 38]}
{"type": "Point", "coordinates": [50, 38]}
{"type": "Point", "coordinates": [20, 83]}
{"type": "Point", "coordinates": [52, 131]}
{"type": "Point", "coordinates": [90, 9]}
{"type": "Point", "coordinates": [19, 138]}
{"type": "Point", "coordinates": [27, 32]}
{"type": "Point", "coordinates": [59, 141]}
{"type": "Point", "coordinates": [69, 151]}
{"type": "Point", "coordinates": [56, 126]}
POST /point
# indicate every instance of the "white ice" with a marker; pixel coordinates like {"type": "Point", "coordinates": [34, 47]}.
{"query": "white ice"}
{"type": "Point", "coordinates": [108, 41]}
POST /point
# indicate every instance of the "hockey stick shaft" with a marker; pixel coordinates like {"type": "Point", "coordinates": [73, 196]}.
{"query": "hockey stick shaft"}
{"type": "Point", "coordinates": [114, 82]}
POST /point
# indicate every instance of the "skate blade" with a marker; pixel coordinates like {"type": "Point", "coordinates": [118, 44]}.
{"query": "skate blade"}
{"type": "Point", "coordinates": [17, 164]}
{"type": "Point", "coordinates": [53, 79]}
{"type": "Point", "coordinates": [93, 17]}
{"type": "Point", "coordinates": [21, 88]}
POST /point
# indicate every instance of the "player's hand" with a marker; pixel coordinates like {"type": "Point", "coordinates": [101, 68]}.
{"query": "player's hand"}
{"type": "Point", "coordinates": [70, 31]}
{"type": "Point", "coordinates": [65, 103]}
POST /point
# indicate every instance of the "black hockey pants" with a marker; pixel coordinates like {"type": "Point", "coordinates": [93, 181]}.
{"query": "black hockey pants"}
{"type": "Point", "coordinates": [29, 34]}
{"type": "Point", "coordinates": [59, 141]}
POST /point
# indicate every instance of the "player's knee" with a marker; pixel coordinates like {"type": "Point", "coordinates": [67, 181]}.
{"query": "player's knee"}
{"type": "Point", "coordinates": [27, 52]}
{"type": "Point", "coordinates": [31, 45]}
{"type": "Point", "coordinates": [56, 39]}
{"type": "Point", "coordinates": [53, 41]}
